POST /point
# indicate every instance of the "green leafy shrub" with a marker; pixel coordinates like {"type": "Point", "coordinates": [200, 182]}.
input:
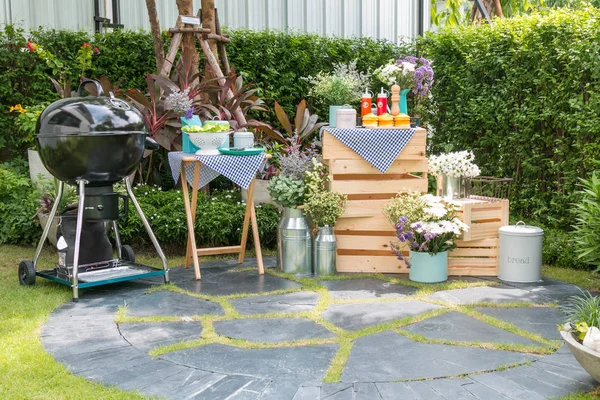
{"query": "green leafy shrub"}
{"type": "Point", "coordinates": [558, 249]}
{"type": "Point", "coordinates": [219, 219]}
{"type": "Point", "coordinates": [524, 95]}
{"type": "Point", "coordinates": [586, 232]}
{"type": "Point", "coordinates": [583, 308]}
{"type": "Point", "coordinates": [18, 205]}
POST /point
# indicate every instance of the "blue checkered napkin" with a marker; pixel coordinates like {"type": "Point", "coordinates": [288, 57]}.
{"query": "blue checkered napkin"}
{"type": "Point", "coordinates": [379, 147]}
{"type": "Point", "coordinates": [239, 169]}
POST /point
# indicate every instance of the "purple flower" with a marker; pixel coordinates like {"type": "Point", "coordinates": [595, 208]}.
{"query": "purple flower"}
{"type": "Point", "coordinates": [189, 113]}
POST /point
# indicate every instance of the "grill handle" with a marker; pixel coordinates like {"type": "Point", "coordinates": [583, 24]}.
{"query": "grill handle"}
{"type": "Point", "coordinates": [125, 212]}
{"type": "Point", "coordinates": [99, 90]}
{"type": "Point", "coordinates": [151, 144]}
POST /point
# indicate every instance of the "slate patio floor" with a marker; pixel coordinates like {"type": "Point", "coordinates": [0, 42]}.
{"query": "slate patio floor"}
{"type": "Point", "coordinates": [393, 341]}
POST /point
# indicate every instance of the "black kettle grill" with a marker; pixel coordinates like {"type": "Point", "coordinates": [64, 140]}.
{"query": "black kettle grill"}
{"type": "Point", "coordinates": [92, 143]}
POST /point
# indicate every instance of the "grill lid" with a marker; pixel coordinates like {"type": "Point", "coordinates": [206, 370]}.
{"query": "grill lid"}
{"type": "Point", "coordinates": [84, 116]}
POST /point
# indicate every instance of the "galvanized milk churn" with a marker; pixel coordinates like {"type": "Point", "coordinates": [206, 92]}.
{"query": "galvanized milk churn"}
{"type": "Point", "coordinates": [325, 245]}
{"type": "Point", "coordinates": [294, 243]}
{"type": "Point", "coordinates": [520, 253]}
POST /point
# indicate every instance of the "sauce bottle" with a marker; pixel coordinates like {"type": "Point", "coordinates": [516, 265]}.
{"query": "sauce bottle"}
{"type": "Point", "coordinates": [381, 102]}
{"type": "Point", "coordinates": [365, 103]}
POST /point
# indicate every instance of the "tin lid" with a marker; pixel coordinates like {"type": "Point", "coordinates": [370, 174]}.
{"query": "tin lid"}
{"type": "Point", "coordinates": [345, 111]}
{"type": "Point", "coordinates": [242, 134]}
{"type": "Point", "coordinates": [520, 229]}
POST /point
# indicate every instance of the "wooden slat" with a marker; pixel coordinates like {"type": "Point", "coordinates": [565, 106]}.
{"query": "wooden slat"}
{"type": "Point", "coordinates": [334, 149]}
{"type": "Point", "coordinates": [363, 252]}
{"type": "Point", "coordinates": [472, 262]}
{"type": "Point", "coordinates": [373, 177]}
{"type": "Point", "coordinates": [219, 250]}
{"type": "Point", "coordinates": [380, 243]}
{"type": "Point", "coordinates": [489, 242]}
{"type": "Point", "coordinates": [483, 215]}
{"type": "Point", "coordinates": [364, 233]}
{"type": "Point", "coordinates": [340, 167]}
{"type": "Point", "coordinates": [470, 271]}
{"type": "Point", "coordinates": [371, 264]}
{"type": "Point", "coordinates": [474, 252]}
{"type": "Point", "coordinates": [379, 187]}
{"type": "Point", "coordinates": [485, 230]}
{"type": "Point", "coordinates": [374, 223]}
{"type": "Point", "coordinates": [363, 208]}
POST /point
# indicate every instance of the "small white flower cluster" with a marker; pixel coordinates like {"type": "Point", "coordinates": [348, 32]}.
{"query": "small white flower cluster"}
{"type": "Point", "coordinates": [455, 164]}
{"type": "Point", "coordinates": [456, 226]}
{"type": "Point", "coordinates": [178, 101]}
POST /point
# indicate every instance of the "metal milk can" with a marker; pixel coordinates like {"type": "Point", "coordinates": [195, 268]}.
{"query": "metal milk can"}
{"type": "Point", "coordinates": [294, 243]}
{"type": "Point", "coordinates": [325, 252]}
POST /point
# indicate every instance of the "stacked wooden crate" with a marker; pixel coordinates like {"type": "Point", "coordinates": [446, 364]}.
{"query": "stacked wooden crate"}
{"type": "Point", "coordinates": [364, 233]}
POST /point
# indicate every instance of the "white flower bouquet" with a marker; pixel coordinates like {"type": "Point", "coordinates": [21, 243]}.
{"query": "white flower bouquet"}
{"type": "Point", "coordinates": [457, 164]}
{"type": "Point", "coordinates": [394, 73]}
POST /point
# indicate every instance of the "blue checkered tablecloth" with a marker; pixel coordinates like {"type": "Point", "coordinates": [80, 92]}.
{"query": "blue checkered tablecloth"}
{"type": "Point", "coordinates": [379, 147]}
{"type": "Point", "coordinates": [239, 169]}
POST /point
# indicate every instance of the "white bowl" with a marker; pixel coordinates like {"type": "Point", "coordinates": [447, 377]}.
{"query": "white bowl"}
{"type": "Point", "coordinates": [209, 142]}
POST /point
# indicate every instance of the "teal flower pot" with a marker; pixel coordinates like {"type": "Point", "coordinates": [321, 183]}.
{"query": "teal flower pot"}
{"type": "Point", "coordinates": [425, 268]}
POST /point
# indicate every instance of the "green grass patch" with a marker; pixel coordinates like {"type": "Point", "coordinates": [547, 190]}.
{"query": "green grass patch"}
{"type": "Point", "coordinates": [27, 371]}
{"type": "Point", "coordinates": [516, 347]}
{"type": "Point", "coordinates": [584, 279]}
{"type": "Point", "coordinates": [334, 372]}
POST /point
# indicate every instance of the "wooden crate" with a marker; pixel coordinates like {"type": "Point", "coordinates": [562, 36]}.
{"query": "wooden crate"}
{"type": "Point", "coordinates": [364, 233]}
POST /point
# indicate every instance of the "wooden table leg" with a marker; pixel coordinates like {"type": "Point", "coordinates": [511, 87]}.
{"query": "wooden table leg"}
{"type": "Point", "coordinates": [249, 206]}
{"type": "Point", "coordinates": [188, 252]}
{"type": "Point", "coordinates": [190, 221]}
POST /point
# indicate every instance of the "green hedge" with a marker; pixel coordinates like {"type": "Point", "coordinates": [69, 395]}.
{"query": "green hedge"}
{"type": "Point", "coordinates": [272, 61]}
{"type": "Point", "coordinates": [524, 95]}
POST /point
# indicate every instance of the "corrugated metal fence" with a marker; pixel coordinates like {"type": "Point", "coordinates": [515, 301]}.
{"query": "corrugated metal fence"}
{"type": "Point", "coordinates": [385, 19]}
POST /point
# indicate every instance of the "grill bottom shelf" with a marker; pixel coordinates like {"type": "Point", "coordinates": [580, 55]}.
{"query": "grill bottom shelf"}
{"type": "Point", "coordinates": [120, 272]}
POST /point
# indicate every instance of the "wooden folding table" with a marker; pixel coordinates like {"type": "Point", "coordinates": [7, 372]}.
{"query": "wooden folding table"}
{"type": "Point", "coordinates": [192, 251]}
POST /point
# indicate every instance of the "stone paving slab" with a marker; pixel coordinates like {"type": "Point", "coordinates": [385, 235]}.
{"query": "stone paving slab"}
{"type": "Point", "coordinates": [225, 281]}
{"type": "Point", "coordinates": [458, 327]}
{"type": "Point", "coordinates": [356, 316]}
{"type": "Point", "coordinates": [272, 330]}
{"type": "Point", "coordinates": [366, 289]}
{"type": "Point", "coordinates": [300, 363]}
{"type": "Point", "coordinates": [147, 335]}
{"type": "Point", "coordinates": [551, 289]}
{"type": "Point", "coordinates": [491, 294]}
{"type": "Point", "coordinates": [167, 303]}
{"type": "Point", "coordinates": [541, 320]}
{"type": "Point", "coordinates": [390, 356]}
{"type": "Point", "coordinates": [279, 303]}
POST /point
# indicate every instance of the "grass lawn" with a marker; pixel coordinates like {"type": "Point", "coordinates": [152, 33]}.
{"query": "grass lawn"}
{"type": "Point", "coordinates": [28, 372]}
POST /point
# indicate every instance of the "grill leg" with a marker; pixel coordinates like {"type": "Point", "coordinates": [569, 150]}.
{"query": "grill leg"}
{"type": "Point", "coordinates": [75, 284]}
{"type": "Point", "coordinates": [163, 259]}
{"type": "Point", "coordinates": [117, 239]}
{"type": "Point", "coordinates": [53, 212]}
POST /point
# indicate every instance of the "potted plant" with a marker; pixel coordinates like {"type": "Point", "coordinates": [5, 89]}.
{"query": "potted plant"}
{"type": "Point", "coordinates": [453, 172]}
{"type": "Point", "coordinates": [294, 247]}
{"type": "Point", "coordinates": [582, 333]}
{"type": "Point", "coordinates": [343, 86]}
{"type": "Point", "coordinates": [406, 74]}
{"type": "Point", "coordinates": [323, 207]}
{"type": "Point", "coordinates": [427, 227]}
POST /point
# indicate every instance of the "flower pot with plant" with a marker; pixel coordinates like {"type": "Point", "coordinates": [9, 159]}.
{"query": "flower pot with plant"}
{"type": "Point", "coordinates": [294, 247]}
{"type": "Point", "coordinates": [426, 228]}
{"type": "Point", "coordinates": [582, 331]}
{"type": "Point", "coordinates": [403, 76]}
{"type": "Point", "coordinates": [343, 86]}
{"type": "Point", "coordinates": [453, 172]}
{"type": "Point", "coordinates": [324, 208]}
